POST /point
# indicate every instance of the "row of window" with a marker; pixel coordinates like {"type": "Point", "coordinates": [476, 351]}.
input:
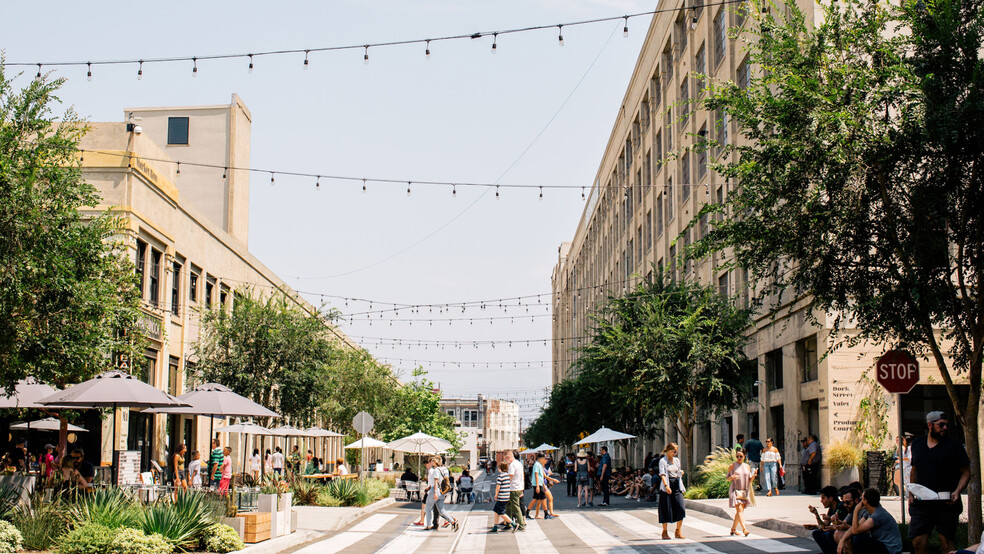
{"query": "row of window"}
{"type": "Point", "coordinates": [151, 272]}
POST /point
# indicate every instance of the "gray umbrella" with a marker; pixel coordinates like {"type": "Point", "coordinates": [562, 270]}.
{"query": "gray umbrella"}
{"type": "Point", "coordinates": [26, 394]}
{"type": "Point", "coordinates": [46, 424]}
{"type": "Point", "coordinates": [111, 389]}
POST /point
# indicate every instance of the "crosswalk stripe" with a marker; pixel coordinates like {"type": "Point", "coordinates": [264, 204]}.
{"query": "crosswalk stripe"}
{"type": "Point", "coordinates": [652, 533]}
{"type": "Point", "coordinates": [592, 535]}
{"type": "Point", "coordinates": [344, 540]}
{"type": "Point", "coordinates": [753, 541]}
{"type": "Point", "coordinates": [473, 534]}
{"type": "Point", "coordinates": [533, 540]}
{"type": "Point", "coordinates": [412, 538]}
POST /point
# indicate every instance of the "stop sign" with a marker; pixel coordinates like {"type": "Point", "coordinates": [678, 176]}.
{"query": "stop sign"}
{"type": "Point", "coordinates": [897, 371]}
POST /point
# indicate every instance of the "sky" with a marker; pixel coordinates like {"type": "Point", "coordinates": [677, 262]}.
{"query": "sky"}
{"type": "Point", "coordinates": [535, 113]}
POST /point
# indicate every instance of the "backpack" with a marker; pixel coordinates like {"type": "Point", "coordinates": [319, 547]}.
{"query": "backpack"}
{"type": "Point", "coordinates": [445, 481]}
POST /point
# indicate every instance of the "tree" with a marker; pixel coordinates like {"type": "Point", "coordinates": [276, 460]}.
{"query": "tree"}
{"type": "Point", "coordinates": [673, 349]}
{"type": "Point", "coordinates": [269, 350]}
{"type": "Point", "coordinates": [861, 174]}
{"type": "Point", "coordinates": [416, 407]}
{"type": "Point", "coordinates": [69, 302]}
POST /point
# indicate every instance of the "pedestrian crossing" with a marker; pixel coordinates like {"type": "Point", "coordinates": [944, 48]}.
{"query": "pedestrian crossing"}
{"type": "Point", "coordinates": [607, 531]}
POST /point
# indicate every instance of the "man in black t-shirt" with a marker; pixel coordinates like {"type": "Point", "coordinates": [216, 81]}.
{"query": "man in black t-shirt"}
{"type": "Point", "coordinates": [85, 470]}
{"type": "Point", "coordinates": [18, 455]}
{"type": "Point", "coordinates": [941, 464]}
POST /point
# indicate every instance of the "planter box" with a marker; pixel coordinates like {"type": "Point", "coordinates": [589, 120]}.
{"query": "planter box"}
{"type": "Point", "coordinates": [236, 523]}
{"type": "Point", "coordinates": [267, 503]}
{"type": "Point", "coordinates": [286, 501]}
{"type": "Point", "coordinates": [261, 536]}
{"type": "Point", "coordinates": [844, 477]}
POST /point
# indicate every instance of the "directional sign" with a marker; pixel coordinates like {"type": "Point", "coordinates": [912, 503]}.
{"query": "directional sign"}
{"type": "Point", "coordinates": [362, 423]}
{"type": "Point", "coordinates": [897, 371]}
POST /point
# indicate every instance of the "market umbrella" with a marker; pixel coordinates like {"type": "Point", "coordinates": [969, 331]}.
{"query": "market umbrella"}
{"type": "Point", "coordinates": [46, 424]}
{"type": "Point", "coordinates": [605, 435]}
{"type": "Point", "coordinates": [26, 394]}
{"type": "Point", "coordinates": [420, 443]}
{"type": "Point", "coordinates": [290, 431]}
{"type": "Point", "coordinates": [113, 389]}
{"type": "Point", "coordinates": [247, 428]}
{"type": "Point", "coordinates": [366, 442]}
{"type": "Point", "coordinates": [324, 434]}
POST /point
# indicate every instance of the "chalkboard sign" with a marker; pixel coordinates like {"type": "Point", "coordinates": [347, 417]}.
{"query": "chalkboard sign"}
{"type": "Point", "coordinates": [877, 471]}
{"type": "Point", "coordinates": [127, 467]}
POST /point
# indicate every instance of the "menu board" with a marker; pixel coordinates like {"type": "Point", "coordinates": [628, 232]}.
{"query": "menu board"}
{"type": "Point", "coordinates": [127, 467]}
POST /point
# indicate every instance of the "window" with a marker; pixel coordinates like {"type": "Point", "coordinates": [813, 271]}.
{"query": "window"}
{"type": "Point", "coordinates": [741, 14]}
{"type": "Point", "coordinates": [700, 68]}
{"type": "Point", "coordinates": [649, 230]}
{"type": "Point", "coordinates": [209, 286]}
{"type": "Point", "coordinates": [702, 226]}
{"type": "Point", "coordinates": [173, 380]}
{"type": "Point", "coordinates": [688, 264]}
{"type": "Point", "coordinates": [141, 266]}
{"type": "Point", "coordinates": [637, 186]}
{"type": "Point", "coordinates": [223, 296]}
{"type": "Point", "coordinates": [658, 147]}
{"type": "Point", "coordinates": [474, 417]}
{"type": "Point", "coordinates": [806, 354]}
{"type": "Point", "coordinates": [669, 199]}
{"type": "Point", "coordinates": [155, 276]}
{"type": "Point", "coordinates": [193, 287]}
{"type": "Point", "coordinates": [177, 130]}
{"type": "Point", "coordinates": [685, 177]}
{"type": "Point", "coordinates": [667, 63]}
{"type": "Point", "coordinates": [669, 131]}
{"type": "Point", "coordinates": [720, 38]}
{"type": "Point", "coordinates": [682, 28]}
{"type": "Point", "coordinates": [655, 91]}
{"type": "Point", "coordinates": [644, 113]}
{"type": "Point", "coordinates": [684, 103]}
{"type": "Point", "coordinates": [629, 262]}
{"type": "Point", "coordinates": [702, 153]}
{"type": "Point", "coordinates": [673, 263]}
{"type": "Point", "coordinates": [773, 369]}
{"type": "Point", "coordinates": [451, 413]}
{"type": "Point", "coordinates": [648, 169]}
{"type": "Point", "coordinates": [638, 242]}
{"type": "Point", "coordinates": [723, 285]}
{"type": "Point", "coordinates": [744, 74]}
{"type": "Point", "coordinates": [722, 130]}
{"type": "Point", "coordinates": [659, 214]}
{"type": "Point", "coordinates": [176, 288]}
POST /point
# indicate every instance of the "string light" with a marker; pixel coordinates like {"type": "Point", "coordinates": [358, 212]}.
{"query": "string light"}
{"type": "Point", "coordinates": [495, 37]}
{"type": "Point", "coordinates": [497, 192]}
{"type": "Point", "coordinates": [427, 52]}
{"type": "Point", "coordinates": [560, 35]}
{"type": "Point", "coordinates": [250, 70]}
{"type": "Point", "coordinates": [140, 71]}
{"type": "Point", "coordinates": [39, 71]}
{"type": "Point", "coordinates": [225, 173]}
{"type": "Point", "coordinates": [582, 194]}
{"type": "Point", "coordinates": [541, 193]}
{"type": "Point", "coordinates": [271, 179]}
{"type": "Point", "coordinates": [365, 58]}
{"type": "Point", "coordinates": [317, 186]}
{"type": "Point", "coordinates": [363, 185]}
{"type": "Point", "coordinates": [306, 64]}
{"type": "Point", "coordinates": [454, 191]}
{"type": "Point", "coordinates": [408, 188]}
{"type": "Point", "coordinates": [693, 21]}
{"type": "Point", "coordinates": [88, 73]}
{"type": "Point", "coordinates": [625, 30]}
{"type": "Point", "coordinates": [194, 70]}
{"type": "Point", "coordinates": [179, 168]}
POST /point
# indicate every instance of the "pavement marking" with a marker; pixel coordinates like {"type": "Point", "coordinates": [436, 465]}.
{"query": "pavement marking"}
{"type": "Point", "coordinates": [533, 540]}
{"type": "Point", "coordinates": [753, 541]}
{"type": "Point", "coordinates": [412, 538]}
{"type": "Point", "coordinates": [650, 534]}
{"type": "Point", "coordinates": [473, 534]}
{"type": "Point", "coordinates": [346, 539]}
{"type": "Point", "coordinates": [592, 535]}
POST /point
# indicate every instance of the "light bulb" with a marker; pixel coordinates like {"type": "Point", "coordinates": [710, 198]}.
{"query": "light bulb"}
{"type": "Point", "coordinates": [365, 58]}
{"type": "Point", "coordinates": [582, 198]}
{"type": "Point", "coordinates": [251, 63]}
{"type": "Point", "coordinates": [194, 70]}
{"type": "Point", "coordinates": [306, 64]}
{"type": "Point", "coordinates": [225, 172]}
{"type": "Point", "coordinates": [625, 30]}
{"type": "Point", "coordinates": [541, 193]}
{"type": "Point", "coordinates": [693, 23]}
{"type": "Point", "coordinates": [408, 188]}
{"type": "Point", "coordinates": [39, 71]}
{"type": "Point", "coordinates": [179, 168]}
{"type": "Point", "coordinates": [88, 74]}
{"type": "Point", "coordinates": [271, 178]}
{"type": "Point", "coordinates": [560, 35]}
{"type": "Point", "coordinates": [497, 192]}
{"type": "Point", "coordinates": [140, 71]}
{"type": "Point", "coordinates": [363, 191]}
{"type": "Point", "coordinates": [427, 52]}
{"type": "Point", "coordinates": [495, 37]}
{"type": "Point", "coordinates": [454, 191]}
{"type": "Point", "coordinates": [317, 184]}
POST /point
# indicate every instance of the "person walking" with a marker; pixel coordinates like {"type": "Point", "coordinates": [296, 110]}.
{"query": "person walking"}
{"type": "Point", "coordinates": [770, 463]}
{"type": "Point", "coordinates": [178, 467]}
{"type": "Point", "coordinates": [516, 483]}
{"type": "Point", "coordinates": [671, 489]}
{"type": "Point", "coordinates": [940, 464]}
{"type": "Point", "coordinates": [214, 463]}
{"type": "Point", "coordinates": [254, 464]}
{"type": "Point", "coordinates": [582, 475]}
{"type": "Point", "coordinates": [436, 477]}
{"type": "Point", "coordinates": [268, 462]}
{"type": "Point", "coordinates": [195, 470]}
{"type": "Point", "coordinates": [539, 481]}
{"type": "Point", "coordinates": [502, 500]}
{"type": "Point", "coordinates": [225, 470]}
{"type": "Point", "coordinates": [605, 472]}
{"type": "Point", "coordinates": [740, 492]}
{"type": "Point", "coordinates": [277, 461]}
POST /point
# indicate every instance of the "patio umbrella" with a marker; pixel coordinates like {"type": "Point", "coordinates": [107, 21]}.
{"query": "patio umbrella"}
{"type": "Point", "coordinates": [247, 428]}
{"type": "Point", "coordinates": [366, 442]}
{"type": "Point", "coordinates": [113, 389]}
{"type": "Point", "coordinates": [26, 394]}
{"type": "Point", "coordinates": [420, 443]}
{"type": "Point", "coordinates": [604, 435]}
{"type": "Point", "coordinates": [286, 431]}
{"type": "Point", "coordinates": [46, 424]}
{"type": "Point", "coordinates": [324, 434]}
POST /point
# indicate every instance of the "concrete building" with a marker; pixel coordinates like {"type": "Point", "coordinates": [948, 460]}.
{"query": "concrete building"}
{"type": "Point", "coordinates": [496, 422]}
{"type": "Point", "coordinates": [647, 190]}
{"type": "Point", "coordinates": [186, 229]}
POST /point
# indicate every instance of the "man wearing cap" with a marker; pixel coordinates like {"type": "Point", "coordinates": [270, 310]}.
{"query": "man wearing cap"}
{"type": "Point", "coordinates": [939, 463]}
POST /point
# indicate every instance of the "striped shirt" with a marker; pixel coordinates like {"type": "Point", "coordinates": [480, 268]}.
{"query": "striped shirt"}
{"type": "Point", "coordinates": [503, 483]}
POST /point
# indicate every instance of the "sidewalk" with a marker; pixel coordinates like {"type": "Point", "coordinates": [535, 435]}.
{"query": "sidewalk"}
{"type": "Point", "coordinates": [785, 513]}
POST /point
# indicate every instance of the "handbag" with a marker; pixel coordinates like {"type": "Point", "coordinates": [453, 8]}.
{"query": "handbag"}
{"type": "Point", "coordinates": [741, 494]}
{"type": "Point", "coordinates": [782, 471]}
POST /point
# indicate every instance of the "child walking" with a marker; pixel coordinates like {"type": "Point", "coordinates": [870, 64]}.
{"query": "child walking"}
{"type": "Point", "coordinates": [501, 499]}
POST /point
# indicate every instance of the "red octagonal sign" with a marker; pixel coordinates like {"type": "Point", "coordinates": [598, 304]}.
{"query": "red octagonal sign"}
{"type": "Point", "coordinates": [897, 371]}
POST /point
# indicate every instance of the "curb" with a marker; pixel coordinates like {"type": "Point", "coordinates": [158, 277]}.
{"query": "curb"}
{"type": "Point", "coordinates": [302, 536]}
{"type": "Point", "coordinates": [771, 524]}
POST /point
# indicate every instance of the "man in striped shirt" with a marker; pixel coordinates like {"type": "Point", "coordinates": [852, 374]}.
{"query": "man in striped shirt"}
{"type": "Point", "coordinates": [501, 500]}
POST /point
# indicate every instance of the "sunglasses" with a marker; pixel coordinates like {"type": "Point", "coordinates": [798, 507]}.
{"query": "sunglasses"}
{"type": "Point", "coordinates": [940, 424]}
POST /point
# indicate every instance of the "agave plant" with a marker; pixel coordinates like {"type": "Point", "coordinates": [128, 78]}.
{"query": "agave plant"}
{"type": "Point", "coordinates": [345, 490]}
{"type": "Point", "coordinates": [180, 521]}
{"type": "Point", "coordinates": [10, 496]}
{"type": "Point", "coordinates": [305, 492]}
{"type": "Point", "coordinates": [109, 507]}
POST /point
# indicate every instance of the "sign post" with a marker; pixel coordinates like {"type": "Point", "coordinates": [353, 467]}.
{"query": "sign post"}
{"type": "Point", "coordinates": [362, 423]}
{"type": "Point", "coordinates": [898, 372]}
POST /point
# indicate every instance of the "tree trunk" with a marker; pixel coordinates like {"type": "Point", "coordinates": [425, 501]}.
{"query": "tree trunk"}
{"type": "Point", "coordinates": [62, 434]}
{"type": "Point", "coordinates": [972, 437]}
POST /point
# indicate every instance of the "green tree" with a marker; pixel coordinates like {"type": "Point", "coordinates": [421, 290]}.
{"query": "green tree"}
{"type": "Point", "coordinates": [69, 301]}
{"type": "Point", "coordinates": [269, 350]}
{"type": "Point", "coordinates": [416, 408]}
{"type": "Point", "coordinates": [673, 349]}
{"type": "Point", "coordinates": [861, 165]}
{"type": "Point", "coordinates": [356, 382]}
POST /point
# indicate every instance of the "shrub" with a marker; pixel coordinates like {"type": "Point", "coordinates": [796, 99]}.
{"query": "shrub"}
{"type": "Point", "coordinates": [843, 455]}
{"type": "Point", "coordinates": [305, 492]}
{"type": "Point", "coordinates": [696, 492]}
{"type": "Point", "coordinates": [181, 521]}
{"type": "Point", "coordinates": [10, 496]}
{"type": "Point", "coordinates": [345, 490]}
{"type": "Point", "coordinates": [377, 488]}
{"type": "Point", "coordinates": [327, 500]}
{"type": "Point", "coordinates": [109, 507]}
{"type": "Point", "coordinates": [11, 539]}
{"type": "Point", "coordinates": [362, 498]}
{"type": "Point", "coordinates": [91, 538]}
{"type": "Point", "coordinates": [40, 523]}
{"type": "Point", "coordinates": [712, 474]}
{"type": "Point", "coordinates": [134, 541]}
{"type": "Point", "coordinates": [221, 538]}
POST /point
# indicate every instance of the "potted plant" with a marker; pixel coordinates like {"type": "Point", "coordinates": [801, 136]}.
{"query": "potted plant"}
{"type": "Point", "coordinates": [845, 460]}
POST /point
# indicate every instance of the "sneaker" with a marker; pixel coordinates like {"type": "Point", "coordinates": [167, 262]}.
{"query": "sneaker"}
{"type": "Point", "coordinates": [514, 525]}
{"type": "Point", "coordinates": [519, 530]}
{"type": "Point", "coordinates": [494, 529]}
{"type": "Point", "coordinates": [446, 523]}
{"type": "Point", "coordinates": [590, 503]}
{"type": "Point", "coordinates": [603, 504]}
{"type": "Point", "coordinates": [548, 516]}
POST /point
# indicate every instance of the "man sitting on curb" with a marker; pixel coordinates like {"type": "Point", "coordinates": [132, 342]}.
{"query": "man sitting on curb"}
{"type": "Point", "coordinates": [838, 535]}
{"type": "Point", "coordinates": [873, 529]}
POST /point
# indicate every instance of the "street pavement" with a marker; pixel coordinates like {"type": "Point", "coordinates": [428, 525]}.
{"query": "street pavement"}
{"type": "Point", "coordinates": [625, 526]}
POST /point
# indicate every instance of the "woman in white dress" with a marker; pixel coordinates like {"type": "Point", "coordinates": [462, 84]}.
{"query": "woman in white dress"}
{"type": "Point", "coordinates": [254, 464]}
{"type": "Point", "coordinates": [740, 492]}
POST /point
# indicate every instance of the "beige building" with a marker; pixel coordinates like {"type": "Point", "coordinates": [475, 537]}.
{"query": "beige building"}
{"type": "Point", "coordinates": [186, 228]}
{"type": "Point", "coordinates": [495, 422]}
{"type": "Point", "coordinates": [646, 192]}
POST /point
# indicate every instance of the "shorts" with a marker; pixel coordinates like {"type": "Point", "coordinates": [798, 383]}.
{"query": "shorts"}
{"type": "Point", "coordinates": [500, 507]}
{"type": "Point", "coordinates": [181, 475]}
{"type": "Point", "coordinates": [542, 495]}
{"type": "Point", "coordinates": [927, 514]}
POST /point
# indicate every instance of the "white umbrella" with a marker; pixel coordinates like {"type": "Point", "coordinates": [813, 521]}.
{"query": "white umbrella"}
{"type": "Point", "coordinates": [604, 435]}
{"type": "Point", "coordinates": [544, 448]}
{"type": "Point", "coordinates": [46, 424]}
{"type": "Point", "coordinates": [366, 442]}
{"type": "Point", "coordinates": [420, 443]}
